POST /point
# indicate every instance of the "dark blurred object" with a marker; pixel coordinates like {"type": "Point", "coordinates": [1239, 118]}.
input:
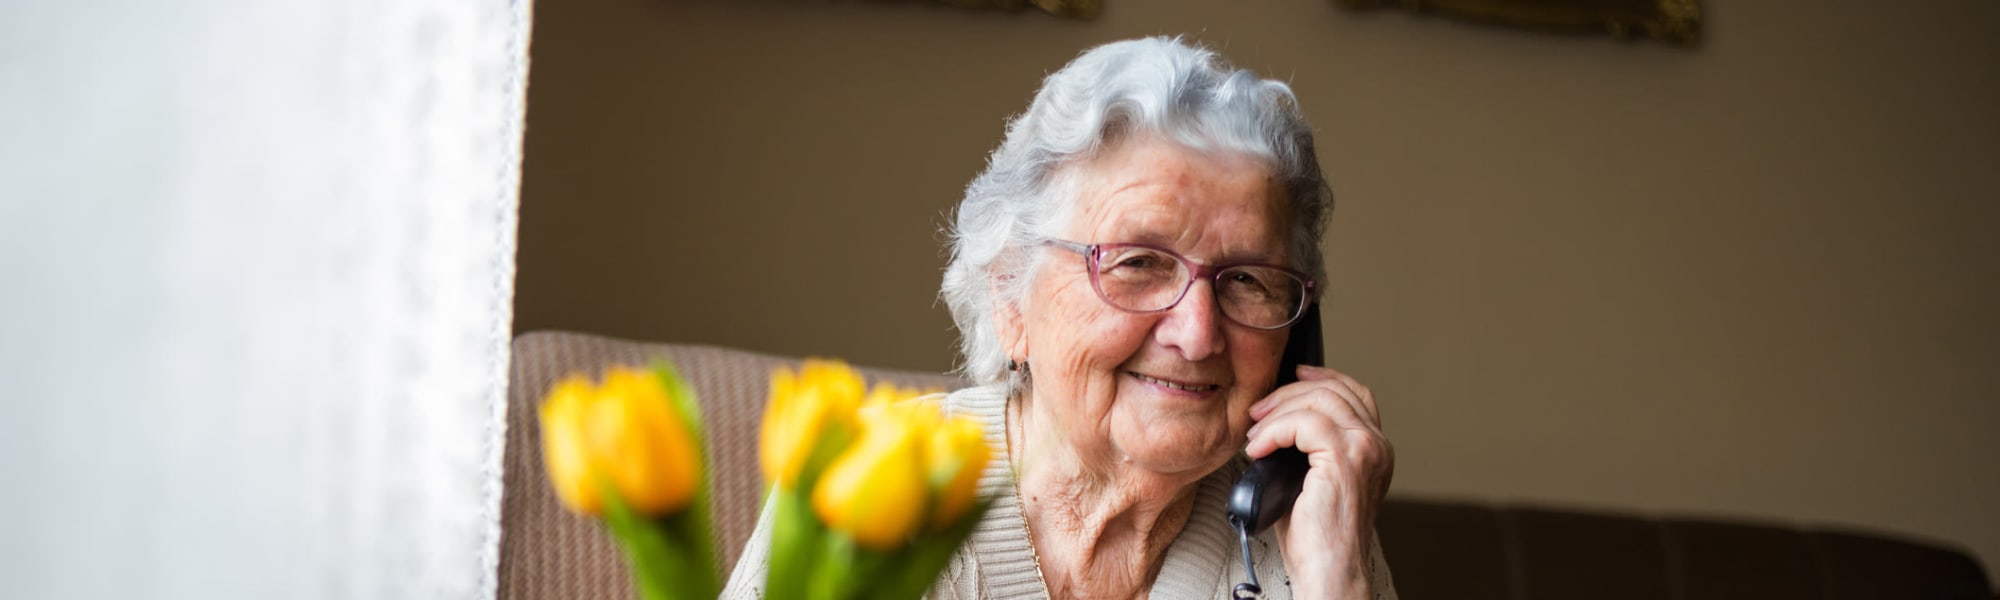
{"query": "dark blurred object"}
{"type": "Point", "coordinates": [1470, 551]}
{"type": "Point", "coordinates": [1674, 21]}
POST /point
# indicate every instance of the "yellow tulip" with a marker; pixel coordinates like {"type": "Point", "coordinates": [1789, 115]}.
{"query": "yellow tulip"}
{"type": "Point", "coordinates": [563, 445]}
{"type": "Point", "coordinates": [956, 458]}
{"type": "Point", "coordinates": [803, 410]}
{"type": "Point", "coordinates": [876, 490]}
{"type": "Point", "coordinates": [626, 434]}
{"type": "Point", "coordinates": [646, 448]}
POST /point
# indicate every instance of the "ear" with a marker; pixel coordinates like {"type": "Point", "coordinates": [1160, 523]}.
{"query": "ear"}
{"type": "Point", "coordinates": [1009, 326]}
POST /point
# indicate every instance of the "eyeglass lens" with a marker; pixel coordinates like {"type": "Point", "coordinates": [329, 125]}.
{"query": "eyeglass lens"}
{"type": "Point", "coordinates": [1145, 279]}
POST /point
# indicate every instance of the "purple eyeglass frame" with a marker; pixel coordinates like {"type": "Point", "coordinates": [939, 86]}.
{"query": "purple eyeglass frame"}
{"type": "Point", "coordinates": [1196, 271]}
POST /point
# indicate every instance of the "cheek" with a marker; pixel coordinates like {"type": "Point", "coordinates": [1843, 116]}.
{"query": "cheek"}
{"type": "Point", "coordinates": [1093, 340]}
{"type": "Point", "coordinates": [1256, 357]}
{"type": "Point", "coordinates": [1070, 325]}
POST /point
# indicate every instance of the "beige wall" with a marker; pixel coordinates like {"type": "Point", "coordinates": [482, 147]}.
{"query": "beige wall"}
{"type": "Point", "coordinates": [1757, 278]}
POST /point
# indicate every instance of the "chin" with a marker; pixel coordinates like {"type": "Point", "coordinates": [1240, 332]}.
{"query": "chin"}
{"type": "Point", "coordinates": [1179, 448]}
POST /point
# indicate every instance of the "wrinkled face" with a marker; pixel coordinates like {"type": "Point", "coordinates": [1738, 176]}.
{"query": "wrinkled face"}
{"type": "Point", "coordinates": [1167, 391]}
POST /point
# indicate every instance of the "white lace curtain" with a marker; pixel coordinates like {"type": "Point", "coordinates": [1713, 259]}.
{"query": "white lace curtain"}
{"type": "Point", "coordinates": [256, 270]}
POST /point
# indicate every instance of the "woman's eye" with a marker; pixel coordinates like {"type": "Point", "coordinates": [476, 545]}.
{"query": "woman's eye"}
{"type": "Point", "coordinates": [1141, 268]}
{"type": "Point", "coordinates": [1139, 262]}
{"type": "Point", "coordinates": [1246, 285]}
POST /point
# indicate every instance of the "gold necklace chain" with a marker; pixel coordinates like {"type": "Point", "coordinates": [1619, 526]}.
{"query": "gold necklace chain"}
{"type": "Point", "coordinates": [1007, 426]}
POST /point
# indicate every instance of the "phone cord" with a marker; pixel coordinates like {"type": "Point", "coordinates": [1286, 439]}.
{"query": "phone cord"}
{"type": "Point", "coordinates": [1250, 590]}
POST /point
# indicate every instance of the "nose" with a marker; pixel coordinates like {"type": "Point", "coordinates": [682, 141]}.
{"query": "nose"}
{"type": "Point", "coordinates": [1193, 327]}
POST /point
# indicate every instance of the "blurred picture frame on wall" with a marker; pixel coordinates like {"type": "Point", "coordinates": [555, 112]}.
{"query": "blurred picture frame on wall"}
{"type": "Point", "coordinates": [1074, 9]}
{"type": "Point", "coordinates": [1676, 22]}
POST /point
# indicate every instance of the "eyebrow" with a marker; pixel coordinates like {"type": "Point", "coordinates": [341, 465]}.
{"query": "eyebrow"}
{"type": "Point", "coordinates": [1225, 260]}
{"type": "Point", "coordinates": [1136, 232]}
{"type": "Point", "coordinates": [1151, 237]}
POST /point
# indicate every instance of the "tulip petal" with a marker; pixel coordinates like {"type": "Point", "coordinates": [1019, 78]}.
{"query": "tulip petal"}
{"type": "Point", "coordinates": [644, 447]}
{"type": "Point", "coordinates": [877, 491]}
{"type": "Point", "coordinates": [957, 457]}
{"type": "Point", "coordinates": [564, 445]}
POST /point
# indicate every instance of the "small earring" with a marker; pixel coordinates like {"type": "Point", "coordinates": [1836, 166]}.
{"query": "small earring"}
{"type": "Point", "coordinates": [1013, 366]}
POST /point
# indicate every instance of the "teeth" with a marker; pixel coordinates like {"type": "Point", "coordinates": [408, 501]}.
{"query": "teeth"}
{"type": "Point", "coordinates": [1177, 386]}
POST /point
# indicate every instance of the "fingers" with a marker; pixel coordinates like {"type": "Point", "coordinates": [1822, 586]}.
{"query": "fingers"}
{"type": "Point", "coordinates": [1363, 453]}
{"type": "Point", "coordinates": [1316, 414]}
{"type": "Point", "coordinates": [1302, 424]}
{"type": "Point", "coordinates": [1322, 389]}
{"type": "Point", "coordinates": [1361, 457]}
{"type": "Point", "coordinates": [1362, 397]}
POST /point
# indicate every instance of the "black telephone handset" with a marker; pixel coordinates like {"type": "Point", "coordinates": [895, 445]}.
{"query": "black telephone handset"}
{"type": "Point", "coordinates": [1268, 488]}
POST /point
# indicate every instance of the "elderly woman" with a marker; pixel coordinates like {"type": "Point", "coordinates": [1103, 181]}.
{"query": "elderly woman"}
{"type": "Point", "coordinates": [1124, 277]}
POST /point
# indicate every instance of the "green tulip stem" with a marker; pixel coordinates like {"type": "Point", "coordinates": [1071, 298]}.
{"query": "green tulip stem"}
{"type": "Point", "coordinates": [671, 558]}
{"type": "Point", "coordinates": [795, 535]}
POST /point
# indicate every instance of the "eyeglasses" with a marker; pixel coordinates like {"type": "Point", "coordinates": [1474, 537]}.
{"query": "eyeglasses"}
{"type": "Point", "coordinates": [1141, 278]}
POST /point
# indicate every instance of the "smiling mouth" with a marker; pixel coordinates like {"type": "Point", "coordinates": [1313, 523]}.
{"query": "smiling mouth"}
{"type": "Point", "coordinates": [1186, 387]}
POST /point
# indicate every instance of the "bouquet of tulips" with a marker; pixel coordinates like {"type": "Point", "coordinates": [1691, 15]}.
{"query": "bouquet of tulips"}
{"type": "Point", "coordinates": [872, 491]}
{"type": "Point", "coordinates": [871, 494]}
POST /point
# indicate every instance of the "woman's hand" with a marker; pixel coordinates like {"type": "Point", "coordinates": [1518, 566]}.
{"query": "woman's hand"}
{"type": "Point", "coordinates": [1328, 539]}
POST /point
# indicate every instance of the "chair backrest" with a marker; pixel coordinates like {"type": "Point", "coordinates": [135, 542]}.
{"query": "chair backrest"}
{"type": "Point", "coordinates": [546, 552]}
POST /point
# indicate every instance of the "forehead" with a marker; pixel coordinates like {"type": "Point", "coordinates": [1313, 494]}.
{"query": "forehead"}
{"type": "Point", "coordinates": [1224, 206]}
